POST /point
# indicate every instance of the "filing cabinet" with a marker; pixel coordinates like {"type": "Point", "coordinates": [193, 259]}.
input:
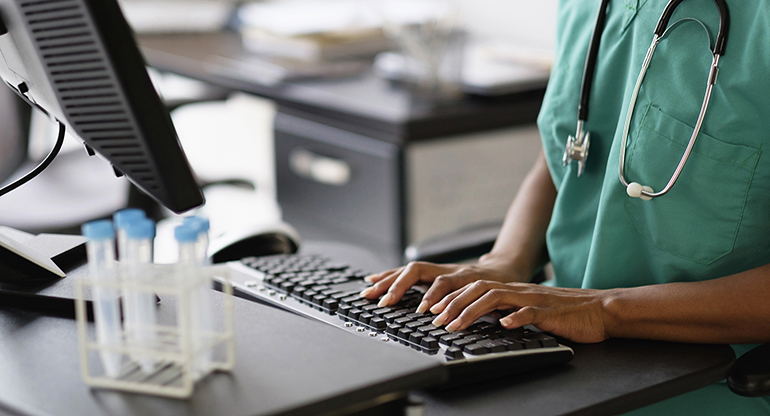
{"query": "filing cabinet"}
{"type": "Point", "coordinates": [385, 185]}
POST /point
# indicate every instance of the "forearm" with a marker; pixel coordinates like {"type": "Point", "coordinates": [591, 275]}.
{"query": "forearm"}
{"type": "Point", "coordinates": [733, 309]}
{"type": "Point", "coordinates": [520, 247]}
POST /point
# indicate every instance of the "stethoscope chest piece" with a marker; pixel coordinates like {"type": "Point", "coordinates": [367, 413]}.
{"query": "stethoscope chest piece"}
{"type": "Point", "coordinates": [577, 148]}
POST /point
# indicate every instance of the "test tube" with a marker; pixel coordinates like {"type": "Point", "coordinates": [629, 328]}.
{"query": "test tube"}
{"type": "Point", "coordinates": [100, 249]}
{"type": "Point", "coordinates": [201, 296]}
{"type": "Point", "coordinates": [138, 271]}
{"type": "Point", "coordinates": [202, 226]}
{"type": "Point", "coordinates": [189, 275]}
{"type": "Point", "coordinates": [121, 219]}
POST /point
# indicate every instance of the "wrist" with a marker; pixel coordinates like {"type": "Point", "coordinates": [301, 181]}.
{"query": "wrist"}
{"type": "Point", "coordinates": [611, 301]}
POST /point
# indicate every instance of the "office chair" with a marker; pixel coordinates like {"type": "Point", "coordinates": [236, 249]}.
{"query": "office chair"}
{"type": "Point", "coordinates": [751, 372]}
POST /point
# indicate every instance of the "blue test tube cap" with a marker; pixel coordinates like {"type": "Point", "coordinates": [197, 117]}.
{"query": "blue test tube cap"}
{"type": "Point", "coordinates": [200, 224]}
{"type": "Point", "coordinates": [140, 229]}
{"type": "Point", "coordinates": [126, 216]}
{"type": "Point", "coordinates": [98, 230]}
{"type": "Point", "coordinates": [185, 234]}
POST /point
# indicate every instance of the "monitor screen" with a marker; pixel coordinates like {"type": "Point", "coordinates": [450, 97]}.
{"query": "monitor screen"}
{"type": "Point", "coordinates": [77, 60]}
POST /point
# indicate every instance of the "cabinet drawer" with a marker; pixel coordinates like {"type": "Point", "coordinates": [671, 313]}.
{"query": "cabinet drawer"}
{"type": "Point", "coordinates": [340, 180]}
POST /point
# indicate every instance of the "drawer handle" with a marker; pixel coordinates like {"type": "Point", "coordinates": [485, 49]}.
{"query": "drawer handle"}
{"type": "Point", "coordinates": [322, 169]}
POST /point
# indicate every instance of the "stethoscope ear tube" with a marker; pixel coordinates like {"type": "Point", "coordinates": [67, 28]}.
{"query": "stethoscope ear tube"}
{"type": "Point", "coordinates": [590, 65]}
{"type": "Point", "coordinates": [724, 23]}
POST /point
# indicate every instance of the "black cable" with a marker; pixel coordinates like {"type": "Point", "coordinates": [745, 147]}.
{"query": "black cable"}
{"type": "Point", "coordinates": [39, 168]}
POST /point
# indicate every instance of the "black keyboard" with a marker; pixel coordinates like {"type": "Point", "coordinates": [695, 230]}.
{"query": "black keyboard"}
{"type": "Point", "coordinates": [316, 287]}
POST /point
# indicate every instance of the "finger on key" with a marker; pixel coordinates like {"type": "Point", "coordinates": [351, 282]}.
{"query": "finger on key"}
{"type": "Point", "coordinates": [438, 308]}
{"type": "Point", "coordinates": [377, 289]}
{"type": "Point", "coordinates": [409, 276]}
{"type": "Point", "coordinates": [469, 294]}
{"type": "Point", "coordinates": [437, 296]}
{"type": "Point", "coordinates": [376, 277]}
{"type": "Point", "coordinates": [488, 302]}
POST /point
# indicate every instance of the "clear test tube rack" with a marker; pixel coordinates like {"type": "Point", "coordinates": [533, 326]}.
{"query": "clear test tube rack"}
{"type": "Point", "coordinates": [175, 356]}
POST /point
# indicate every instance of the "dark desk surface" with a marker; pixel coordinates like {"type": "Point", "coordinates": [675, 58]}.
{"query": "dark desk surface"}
{"type": "Point", "coordinates": [285, 363]}
{"type": "Point", "coordinates": [608, 378]}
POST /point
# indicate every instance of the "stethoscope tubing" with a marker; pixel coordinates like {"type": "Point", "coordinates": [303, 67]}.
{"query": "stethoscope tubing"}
{"type": "Point", "coordinates": [661, 29]}
{"type": "Point", "coordinates": [701, 116]}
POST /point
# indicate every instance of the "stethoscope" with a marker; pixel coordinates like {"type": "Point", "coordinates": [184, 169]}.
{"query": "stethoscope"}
{"type": "Point", "coordinates": [577, 145]}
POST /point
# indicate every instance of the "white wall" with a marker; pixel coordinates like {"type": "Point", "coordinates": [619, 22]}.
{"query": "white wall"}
{"type": "Point", "coordinates": [527, 21]}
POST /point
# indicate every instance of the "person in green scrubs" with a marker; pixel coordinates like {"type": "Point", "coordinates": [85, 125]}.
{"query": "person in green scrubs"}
{"type": "Point", "coordinates": [692, 265]}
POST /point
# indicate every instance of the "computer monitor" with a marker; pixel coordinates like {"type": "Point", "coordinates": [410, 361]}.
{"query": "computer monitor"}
{"type": "Point", "coordinates": [77, 61]}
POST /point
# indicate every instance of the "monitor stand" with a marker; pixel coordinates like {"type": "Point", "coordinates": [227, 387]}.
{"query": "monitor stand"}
{"type": "Point", "coordinates": [32, 270]}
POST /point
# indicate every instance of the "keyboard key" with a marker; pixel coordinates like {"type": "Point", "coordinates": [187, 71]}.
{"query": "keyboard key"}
{"type": "Point", "coordinates": [404, 333]}
{"type": "Point", "coordinates": [354, 313]}
{"type": "Point", "coordinates": [403, 320]}
{"type": "Point", "coordinates": [414, 325]}
{"type": "Point", "coordinates": [382, 311]}
{"type": "Point", "coordinates": [288, 286]}
{"type": "Point", "coordinates": [391, 317]}
{"type": "Point", "coordinates": [416, 337]}
{"type": "Point", "coordinates": [343, 310]}
{"type": "Point", "coordinates": [393, 329]}
{"type": "Point", "coordinates": [330, 304]}
{"type": "Point", "coordinates": [306, 284]}
{"type": "Point", "coordinates": [530, 343]}
{"type": "Point", "coordinates": [511, 344]}
{"type": "Point", "coordinates": [339, 296]}
{"type": "Point", "coordinates": [429, 343]}
{"type": "Point", "coordinates": [494, 346]}
{"type": "Point", "coordinates": [460, 343]}
{"type": "Point", "coordinates": [365, 317]}
{"type": "Point", "coordinates": [351, 299]}
{"type": "Point", "coordinates": [476, 349]}
{"type": "Point", "coordinates": [438, 333]}
{"type": "Point", "coordinates": [425, 329]}
{"type": "Point", "coordinates": [545, 340]}
{"type": "Point", "coordinates": [448, 339]}
{"type": "Point", "coordinates": [454, 353]}
{"type": "Point", "coordinates": [378, 323]}
{"type": "Point", "coordinates": [318, 299]}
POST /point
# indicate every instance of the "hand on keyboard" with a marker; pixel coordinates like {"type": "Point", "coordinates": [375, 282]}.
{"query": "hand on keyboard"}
{"type": "Point", "coordinates": [444, 279]}
{"type": "Point", "coordinates": [460, 294]}
{"type": "Point", "coordinates": [321, 289]}
{"type": "Point", "coordinates": [575, 314]}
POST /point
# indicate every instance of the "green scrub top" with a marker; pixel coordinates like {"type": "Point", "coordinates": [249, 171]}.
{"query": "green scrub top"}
{"type": "Point", "coordinates": [715, 220]}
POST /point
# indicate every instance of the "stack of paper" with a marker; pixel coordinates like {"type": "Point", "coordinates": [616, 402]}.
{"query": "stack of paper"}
{"type": "Point", "coordinates": [177, 16]}
{"type": "Point", "coordinates": [313, 30]}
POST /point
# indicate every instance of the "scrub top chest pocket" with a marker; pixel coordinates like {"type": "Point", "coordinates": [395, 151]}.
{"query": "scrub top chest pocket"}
{"type": "Point", "coordinates": [699, 219]}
